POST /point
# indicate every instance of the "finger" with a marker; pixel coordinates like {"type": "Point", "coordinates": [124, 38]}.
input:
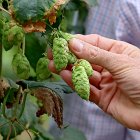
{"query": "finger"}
{"type": "Point", "coordinates": [51, 67]}
{"type": "Point", "coordinates": [94, 94]}
{"type": "Point", "coordinates": [97, 68]}
{"type": "Point", "coordinates": [49, 53]}
{"type": "Point", "coordinates": [95, 79]}
{"type": "Point", "coordinates": [111, 45]}
{"type": "Point", "coordinates": [104, 43]}
{"type": "Point", "coordinates": [111, 61]}
{"type": "Point", "coordinates": [67, 77]}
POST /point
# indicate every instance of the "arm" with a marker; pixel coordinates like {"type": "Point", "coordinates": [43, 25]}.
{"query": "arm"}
{"type": "Point", "coordinates": [127, 26]}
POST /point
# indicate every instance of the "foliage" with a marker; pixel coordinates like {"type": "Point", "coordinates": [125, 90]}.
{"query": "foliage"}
{"type": "Point", "coordinates": [30, 29]}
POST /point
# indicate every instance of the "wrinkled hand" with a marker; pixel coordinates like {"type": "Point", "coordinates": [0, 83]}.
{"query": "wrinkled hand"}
{"type": "Point", "coordinates": [115, 84]}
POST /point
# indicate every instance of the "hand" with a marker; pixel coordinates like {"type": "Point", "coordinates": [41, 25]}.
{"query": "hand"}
{"type": "Point", "coordinates": [115, 84]}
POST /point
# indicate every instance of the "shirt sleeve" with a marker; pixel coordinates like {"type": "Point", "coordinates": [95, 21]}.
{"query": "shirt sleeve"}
{"type": "Point", "coordinates": [127, 26]}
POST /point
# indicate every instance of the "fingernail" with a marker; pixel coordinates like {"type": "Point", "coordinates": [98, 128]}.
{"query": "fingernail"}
{"type": "Point", "coordinates": [76, 45]}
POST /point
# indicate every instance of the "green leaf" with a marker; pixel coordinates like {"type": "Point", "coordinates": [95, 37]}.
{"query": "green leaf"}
{"type": "Point", "coordinates": [59, 87]}
{"type": "Point", "coordinates": [5, 128]}
{"type": "Point", "coordinates": [43, 134]}
{"type": "Point", "coordinates": [33, 10]}
{"type": "Point", "coordinates": [29, 114]}
{"type": "Point", "coordinates": [27, 119]}
{"type": "Point", "coordinates": [71, 133]}
{"type": "Point", "coordinates": [35, 47]}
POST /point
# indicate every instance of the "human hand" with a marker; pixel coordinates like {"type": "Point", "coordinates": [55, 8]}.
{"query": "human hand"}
{"type": "Point", "coordinates": [115, 84]}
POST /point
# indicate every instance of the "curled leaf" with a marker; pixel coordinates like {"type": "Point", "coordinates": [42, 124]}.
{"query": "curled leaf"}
{"type": "Point", "coordinates": [51, 104]}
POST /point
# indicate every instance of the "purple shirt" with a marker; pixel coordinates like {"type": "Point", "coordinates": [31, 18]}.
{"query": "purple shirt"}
{"type": "Point", "coordinates": [117, 19]}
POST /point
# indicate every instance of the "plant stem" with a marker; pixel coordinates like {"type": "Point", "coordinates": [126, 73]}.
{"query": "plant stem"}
{"type": "Point", "coordinates": [4, 104]}
{"type": "Point", "coordinates": [0, 60]}
{"type": "Point", "coordinates": [14, 129]}
{"type": "Point", "coordinates": [49, 26]}
{"type": "Point", "coordinates": [4, 124]}
{"type": "Point", "coordinates": [17, 102]}
{"type": "Point", "coordinates": [23, 46]}
{"type": "Point", "coordinates": [9, 133]}
{"type": "Point", "coordinates": [24, 128]}
{"type": "Point", "coordinates": [1, 8]}
{"type": "Point", "coordinates": [23, 105]}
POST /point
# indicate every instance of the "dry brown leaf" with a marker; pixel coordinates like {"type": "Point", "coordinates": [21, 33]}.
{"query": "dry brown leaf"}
{"type": "Point", "coordinates": [3, 87]}
{"type": "Point", "coordinates": [52, 13]}
{"type": "Point", "coordinates": [34, 27]}
{"type": "Point", "coordinates": [51, 104]}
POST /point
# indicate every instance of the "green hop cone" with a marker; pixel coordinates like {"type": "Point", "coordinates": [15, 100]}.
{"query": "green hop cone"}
{"type": "Point", "coordinates": [21, 66]}
{"type": "Point", "coordinates": [66, 36]}
{"type": "Point", "coordinates": [81, 82]}
{"type": "Point", "coordinates": [71, 58]}
{"type": "Point", "coordinates": [13, 35]}
{"type": "Point", "coordinates": [86, 65]}
{"type": "Point", "coordinates": [42, 70]}
{"type": "Point", "coordinates": [60, 53]}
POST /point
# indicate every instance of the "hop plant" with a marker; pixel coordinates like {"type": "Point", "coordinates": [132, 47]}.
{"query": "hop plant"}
{"type": "Point", "coordinates": [13, 35]}
{"type": "Point", "coordinates": [65, 35]}
{"type": "Point", "coordinates": [86, 65]}
{"type": "Point", "coordinates": [71, 58]}
{"type": "Point", "coordinates": [21, 66]}
{"type": "Point", "coordinates": [81, 82]}
{"type": "Point", "coordinates": [42, 70]}
{"type": "Point", "coordinates": [60, 53]}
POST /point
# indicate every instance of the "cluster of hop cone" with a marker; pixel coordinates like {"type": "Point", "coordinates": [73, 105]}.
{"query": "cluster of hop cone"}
{"type": "Point", "coordinates": [13, 35]}
{"type": "Point", "coordinates": [81, 70]}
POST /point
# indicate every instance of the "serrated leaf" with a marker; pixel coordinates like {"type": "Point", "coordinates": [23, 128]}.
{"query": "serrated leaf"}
{"type": "Point", "coordinates": [32, 15]}
{"type": "Point", "coordinates": [23, 11]}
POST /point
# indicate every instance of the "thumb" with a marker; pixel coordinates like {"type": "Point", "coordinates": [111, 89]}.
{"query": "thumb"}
{"type": "Point", "coordinates": [109, 60]}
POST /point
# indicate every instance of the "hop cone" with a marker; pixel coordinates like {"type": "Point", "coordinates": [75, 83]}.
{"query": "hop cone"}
{"type": "Point", "coordinates": [12, 36]}
{"type": "Point", "coordinates": [71, 58]}
{"type": "Point", "coordinates": [67, 36]}
{"type": "Point", "coordinates": [21, 66]}
{"type": "Point", "coordinates": [42, 70]}
{"type": "Point", "coordinates": [60, 53]}
{"type": "Point", "coordinates": [81, 82]}
{"type": "Point", "coordinates": [86, 65]}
